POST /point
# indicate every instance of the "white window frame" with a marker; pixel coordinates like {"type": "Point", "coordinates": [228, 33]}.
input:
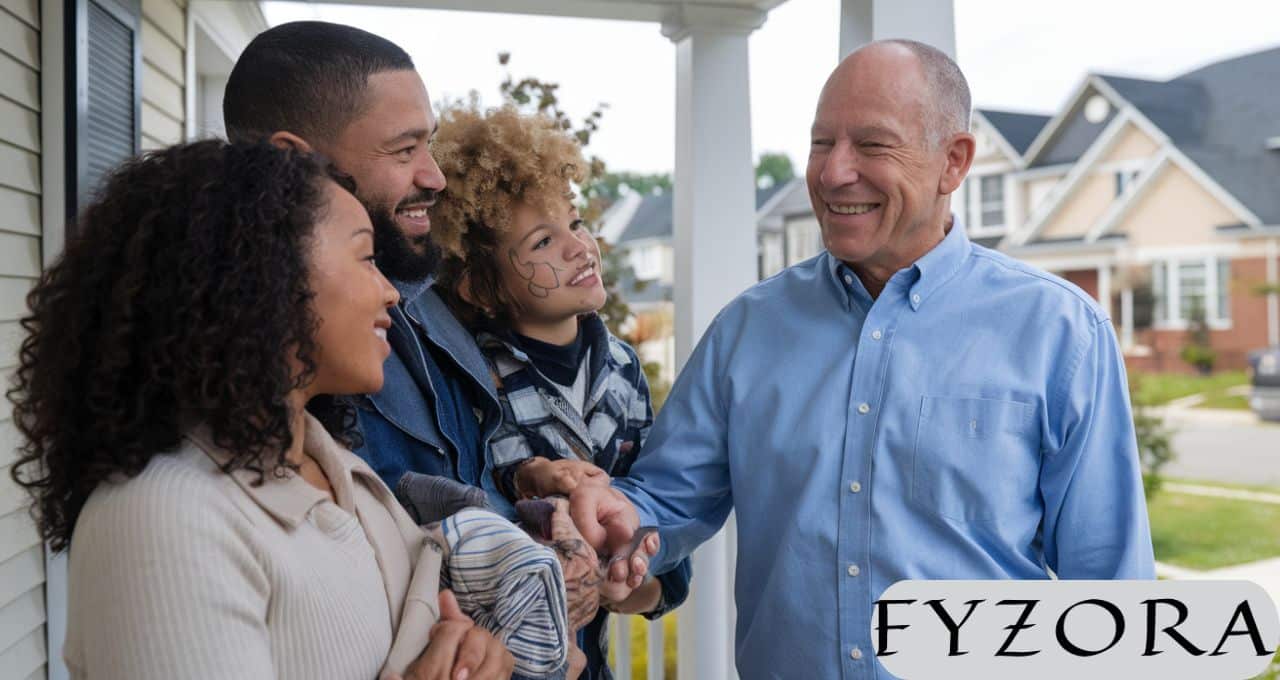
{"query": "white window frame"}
{"type": "Point", "coordinates": [972, 201]}
{"type": "Point", "coordinates": [998, 180]}
{"type": "Point", "coordinates": [1122, 180]}
{"type": "Point", "coordinates": [1173, 294]}
{"type": "Point", "coordinates": [646, 261]}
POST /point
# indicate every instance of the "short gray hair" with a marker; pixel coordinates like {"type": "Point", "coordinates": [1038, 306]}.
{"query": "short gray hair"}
{"type": "Point", "coordinates": [949, 99]}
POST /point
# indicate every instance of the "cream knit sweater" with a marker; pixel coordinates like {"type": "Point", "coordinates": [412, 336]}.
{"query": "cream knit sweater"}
{"type": "Point", "coordinates": [187, 572]}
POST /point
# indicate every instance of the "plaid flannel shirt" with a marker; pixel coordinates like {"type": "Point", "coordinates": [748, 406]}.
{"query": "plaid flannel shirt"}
{"type": "Point", "coordinates": [537, 420]}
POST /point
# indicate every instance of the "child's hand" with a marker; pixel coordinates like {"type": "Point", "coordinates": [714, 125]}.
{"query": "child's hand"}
{"type": "Point", "coordinates": [543, 477]}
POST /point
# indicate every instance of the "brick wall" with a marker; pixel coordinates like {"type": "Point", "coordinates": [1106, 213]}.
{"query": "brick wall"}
{"type": "Point", "coordinates": [1086, 279]}
{"type": "Point", "coordinates": [1248, 328]}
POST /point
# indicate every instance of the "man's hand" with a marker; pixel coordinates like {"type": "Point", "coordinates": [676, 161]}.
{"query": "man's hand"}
{"type": "Point", "coordinates": [610, 524]}
{"type": "Point", "coordinates": [459, 650]}
{"type": "Point", "coordinates": [542, 477]}
{"type": "Point", "coordinates": [579, 563]}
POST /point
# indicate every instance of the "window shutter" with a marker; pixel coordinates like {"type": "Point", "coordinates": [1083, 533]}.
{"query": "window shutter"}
{"type": "Point", "coordinates": [110, 118]}
{"type": "Point", "coordinates": [104, 81]}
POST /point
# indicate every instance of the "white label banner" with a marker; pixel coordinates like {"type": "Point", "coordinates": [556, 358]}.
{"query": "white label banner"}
{"type": "Point", "coordinates": [1075, 629]}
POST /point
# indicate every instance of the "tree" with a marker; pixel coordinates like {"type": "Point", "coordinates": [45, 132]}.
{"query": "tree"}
{"type": "Point", "coordinates": [774, 168]}
{"type": "Point", "coordinates": [1198, 352]}
{"type": "Point", "coordinates": [1155, 441]}
{"type": "Point", "coordinates": [610, 186]}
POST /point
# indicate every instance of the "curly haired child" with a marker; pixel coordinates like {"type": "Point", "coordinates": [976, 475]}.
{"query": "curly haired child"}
{"type": "Point", "coordinates": [522, 269]}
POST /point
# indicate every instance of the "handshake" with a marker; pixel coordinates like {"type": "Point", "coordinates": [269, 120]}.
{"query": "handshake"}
{"type": "Point", "coordinates": [598, 515]}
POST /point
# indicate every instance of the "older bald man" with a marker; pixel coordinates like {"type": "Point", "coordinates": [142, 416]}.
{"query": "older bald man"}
{"type": "Point", "coordinates": [906, 405]}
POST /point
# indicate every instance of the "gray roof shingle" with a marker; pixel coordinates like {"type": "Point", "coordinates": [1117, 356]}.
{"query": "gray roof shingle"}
{"type": "Point", "coordinates": [1019, 129]}
{"type": "Point", "coordinates": [1220, 116]}
{"type": "Point", "coordinates": [653, 218]}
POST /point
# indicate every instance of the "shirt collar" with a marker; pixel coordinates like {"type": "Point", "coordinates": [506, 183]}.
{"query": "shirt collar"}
{"type": "Point", "coordinates": [288, 497]}
{"type": "Point", "coordinates": [595, 334]}
{"type": "Point", "coordinates": [940, 264]}
{"type": "Point", "coordinates": [929, 272]}
{"type": "Point", "coordinates": [410, 290]}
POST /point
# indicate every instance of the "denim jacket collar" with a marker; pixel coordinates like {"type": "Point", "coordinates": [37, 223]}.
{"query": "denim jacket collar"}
{"type": "Point", "coordinates": [422, 317]}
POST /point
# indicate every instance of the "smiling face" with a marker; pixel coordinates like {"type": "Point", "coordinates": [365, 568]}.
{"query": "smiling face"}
{"type": "Point", "coordinates": [879, 186]}
{"type": "Point", "coordinates": [385, 150]}
{"type": "Point", "coordinates": [351, 300]}
{"type": "Point", "coordinates": [550, 266]}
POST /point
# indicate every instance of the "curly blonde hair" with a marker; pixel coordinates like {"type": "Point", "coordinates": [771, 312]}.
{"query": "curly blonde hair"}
{"type": "Point", "coordinates": [493, 160]}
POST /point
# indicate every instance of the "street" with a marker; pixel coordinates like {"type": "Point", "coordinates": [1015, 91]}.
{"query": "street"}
{"type": "Point", "coordinates": [1212, 449]}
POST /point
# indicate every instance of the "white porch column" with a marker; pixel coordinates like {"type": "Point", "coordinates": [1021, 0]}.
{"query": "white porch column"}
{"type": "Point", "coordinates": [1104, 288]}
{"type": "Point", "coordinates": [715, 255]}
{"type": "Point", "coordinates": [1126, 318]}
{"type": "Point", "coordinates": [930, 21]}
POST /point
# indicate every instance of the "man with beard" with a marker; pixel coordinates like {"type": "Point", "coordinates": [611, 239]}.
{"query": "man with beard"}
{"type": "Point", "coordinates": [355, 98]}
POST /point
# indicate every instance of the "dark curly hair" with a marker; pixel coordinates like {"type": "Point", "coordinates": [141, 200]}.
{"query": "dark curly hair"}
{"type": "Point", "coordinates": [174, 303]}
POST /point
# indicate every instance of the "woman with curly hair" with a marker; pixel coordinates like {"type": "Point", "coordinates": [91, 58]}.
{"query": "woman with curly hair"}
{"type": "Point", "coordinates": [210, 298]}
{"type": "Point", "coordinates": [523, 270]}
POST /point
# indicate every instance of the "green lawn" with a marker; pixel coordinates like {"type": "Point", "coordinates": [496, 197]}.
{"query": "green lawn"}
{"type": "Point", "coordinates": [1206, 533]}
{"type": "Point", "coordinates": [1154, 389]}
{"type": "Point", "coordinates": [1235, 402]}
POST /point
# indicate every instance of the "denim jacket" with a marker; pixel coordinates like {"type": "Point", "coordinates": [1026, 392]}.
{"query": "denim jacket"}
{"type": "Point", "coordinates": [538, 421]}
{"type": "Point", "coordinates": [400, 433]}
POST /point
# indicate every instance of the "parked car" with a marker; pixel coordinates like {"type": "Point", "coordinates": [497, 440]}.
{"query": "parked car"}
{"type": "Point", "coordinates": [1265, 400]}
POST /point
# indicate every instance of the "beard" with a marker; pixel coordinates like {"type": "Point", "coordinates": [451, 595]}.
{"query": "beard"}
{"type": "Point", "coordinates": [401, 258]}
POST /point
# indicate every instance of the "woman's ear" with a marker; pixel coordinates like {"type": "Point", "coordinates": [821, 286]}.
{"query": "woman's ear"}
{"type": "Point", "coordinates": [287, 140]}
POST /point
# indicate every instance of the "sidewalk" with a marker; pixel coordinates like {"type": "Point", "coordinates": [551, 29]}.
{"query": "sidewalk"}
{"type": "Point", "coordinates": [1265, 573]}
{"type": "Point", "coordinates": [1184, 411]}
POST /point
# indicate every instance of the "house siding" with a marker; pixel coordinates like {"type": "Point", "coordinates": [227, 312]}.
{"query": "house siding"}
{"type": "Point", "coordinates": [1132, 144]}
{"type": "Point", "coordinates": [1097, 191]}
{"type": "Point", "coordinates": [1175, 211]}
{"type": "Point", "coordinates": [164, 44]}
{"type": "Point", "coordinates": [1082, 209]}
{"type": "Point", "coordinates": [22, 575]}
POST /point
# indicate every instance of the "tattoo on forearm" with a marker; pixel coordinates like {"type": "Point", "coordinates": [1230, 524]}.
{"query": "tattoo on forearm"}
{"type": "Point", "coordinates": [541, 277]}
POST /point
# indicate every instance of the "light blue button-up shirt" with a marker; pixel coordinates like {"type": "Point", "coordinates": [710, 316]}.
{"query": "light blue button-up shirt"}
{"type": "Point", "coordinates": [971, 422]}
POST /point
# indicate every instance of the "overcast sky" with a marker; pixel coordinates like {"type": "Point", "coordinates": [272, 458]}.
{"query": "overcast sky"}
{"type": "Point", "coordinates": [1025, 55]}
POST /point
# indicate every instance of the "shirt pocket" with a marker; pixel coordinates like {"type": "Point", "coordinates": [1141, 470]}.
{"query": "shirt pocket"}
{"type": "Point", "coordinates": [975, 459]}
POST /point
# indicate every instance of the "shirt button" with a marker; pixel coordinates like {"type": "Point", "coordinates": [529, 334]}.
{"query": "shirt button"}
{"type": "Point", "coordinates": [863, 408]}
{"type": "Point", "coordinates": [854, 570]}
{"type": "Point", "coordinates": [855, 654]}
{"type": "Point", "coordinates": [876, 334]}
{"type": "Point", "coordinates": [916, 298]}
{"type": "Point", "coordinates": [855, 487]}
{"type": "Point", "coordinates": [848, 279]}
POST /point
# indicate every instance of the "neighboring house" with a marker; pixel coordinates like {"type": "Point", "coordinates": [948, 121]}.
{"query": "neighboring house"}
{"type": "Point", "coordinates": [1162, 198]}
{"type": "Point", "coordinates": [641, 228]}
{"type": "Point", "coordinates": [991, 201]}
{"type": "Point", "coordinates": [83, 85]}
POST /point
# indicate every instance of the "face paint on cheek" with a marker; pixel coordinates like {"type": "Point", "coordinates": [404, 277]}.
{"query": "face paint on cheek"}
{"type": "Point", "coordinates": [541, 277]}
